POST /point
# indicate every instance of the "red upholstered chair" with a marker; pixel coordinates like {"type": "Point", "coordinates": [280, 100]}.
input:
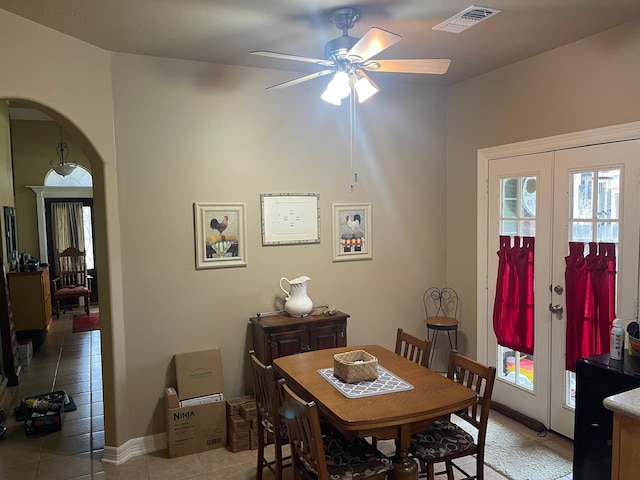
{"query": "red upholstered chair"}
{"type": "Point", "coordinates": [72, 281]}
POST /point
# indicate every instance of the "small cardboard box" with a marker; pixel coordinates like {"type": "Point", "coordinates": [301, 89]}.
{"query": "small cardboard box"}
{"type": "Point", "coordinates": [196, 429]}
{"type": "Point", "coordinates": [199, 373]}
{"type": "Point", "coordinates": [25, 351]}
{"type": "Point", "coordinates": [233, 406]}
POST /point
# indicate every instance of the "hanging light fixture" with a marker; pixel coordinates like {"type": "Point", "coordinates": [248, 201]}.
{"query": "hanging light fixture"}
{"type": "Point", "coordinates": [63, 168]}
{"type": "Point", "coordinates": [344, 81]}
{"type": "Point", "coordinates": [339, 87]}
{"type": "Point", "coordinates": [364, 87]}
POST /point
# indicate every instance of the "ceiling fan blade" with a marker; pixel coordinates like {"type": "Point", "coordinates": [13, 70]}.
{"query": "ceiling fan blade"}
{"type": "Point", "coordinates": [373, 42]}
{"type": "Point", "coordinates": [435, 66]}
{"type": "Point", "coordinates": [286, 56]}
{"type": "Point", "coordinates": [295, 81]}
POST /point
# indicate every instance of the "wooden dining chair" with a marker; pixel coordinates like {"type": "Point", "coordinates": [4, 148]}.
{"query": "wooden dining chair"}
{"type": "Point", "coordinates": [72, 281]}
{"type": "Point", "coordinates": [413, 348]}
{"type": "Point", "coordinates": [444, 440]}
{"type": "Point", "coordinates": [321, 453]}
{"type": "Point", "coordinates": [270, 424]}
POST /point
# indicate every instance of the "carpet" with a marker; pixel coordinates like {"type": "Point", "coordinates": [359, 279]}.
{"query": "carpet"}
{"type": "Point", "coordinates": [85, 323]}
{"type": "Point", "coordinates": [520, 457]}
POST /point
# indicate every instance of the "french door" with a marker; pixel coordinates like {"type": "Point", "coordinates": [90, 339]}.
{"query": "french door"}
{"type": "Point", "coordinates": [585, 194]}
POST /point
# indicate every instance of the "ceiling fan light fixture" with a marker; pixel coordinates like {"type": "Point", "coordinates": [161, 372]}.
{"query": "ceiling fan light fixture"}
{"type": "Point", "coordinates": [337, 89]}
{"type": "Point", "coordinates": [365, 88]}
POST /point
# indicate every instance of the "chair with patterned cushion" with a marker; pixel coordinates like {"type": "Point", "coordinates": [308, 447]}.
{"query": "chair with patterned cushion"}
{"type": "Point", "coordinates": [325, 454]}
{"type": "Point", "coordinates": [270, 424]}
{"type": "Point", "coordinates": [413, 348]}
{"type": "Point", "coordinates": [445, 440]}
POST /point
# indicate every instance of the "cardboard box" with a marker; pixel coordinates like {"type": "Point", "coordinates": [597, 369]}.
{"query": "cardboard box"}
{"type": "Point", "coordinates": [239, 441]}
{"type": "Point", "coordinates": [196, 429]}
{"type": "Point", "coordinates": [233, 406]}
{"type": "Point", "coordinates": [238, 424]}
{"type": "Point", "coordinates": [201, 425]}
{"type": "Point", "coordinates": [25, 351]}
{"type": "Point", "coordinates": [199, 373]}
{"type": "Point", "coordinates": [248, 411]}
{"type": "Point", "coordinates": [171, 396]}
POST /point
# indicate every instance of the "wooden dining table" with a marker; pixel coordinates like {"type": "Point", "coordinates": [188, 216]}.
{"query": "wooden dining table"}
{"type": "Point", "coordinates": [393, 415]}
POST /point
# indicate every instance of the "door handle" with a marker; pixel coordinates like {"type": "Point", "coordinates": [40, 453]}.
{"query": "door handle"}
{"type": "Point", "coordinates": [557, 309]}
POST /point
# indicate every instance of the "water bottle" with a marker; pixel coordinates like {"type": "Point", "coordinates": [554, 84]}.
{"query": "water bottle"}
{"type": "Point", "coordinates": [617, 340]}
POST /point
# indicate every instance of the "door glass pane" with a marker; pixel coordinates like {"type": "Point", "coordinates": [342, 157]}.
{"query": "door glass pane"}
{"type": "Point", "coordinates": [518, 217]}
{"type": "Point", "coordinates": [587, 225]}
{"type": "Point", "coordinates": [88, 237]}
{"type": "Point", "coordinates": [509, 201]}
{"type": "Point", "coordinates": [609, 194]}
{"type": "Point", "coordinates": [582, 198]}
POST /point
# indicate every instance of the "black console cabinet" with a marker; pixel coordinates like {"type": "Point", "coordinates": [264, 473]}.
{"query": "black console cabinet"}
{"type": "Point", "coordinates": [598, 377]}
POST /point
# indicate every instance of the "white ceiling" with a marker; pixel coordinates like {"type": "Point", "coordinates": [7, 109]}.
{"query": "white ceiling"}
{"type": "Point", "coordinates": [225, 31]}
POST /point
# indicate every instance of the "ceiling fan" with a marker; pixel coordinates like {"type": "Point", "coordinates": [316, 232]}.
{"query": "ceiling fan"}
{"type": "Point", "coordinates": [349, 59]}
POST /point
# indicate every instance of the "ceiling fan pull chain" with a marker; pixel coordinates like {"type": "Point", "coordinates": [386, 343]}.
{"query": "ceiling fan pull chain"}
{"type": "Point", "coordinates": [352, 128]}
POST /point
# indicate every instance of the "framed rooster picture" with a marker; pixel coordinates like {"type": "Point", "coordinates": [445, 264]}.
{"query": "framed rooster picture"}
{"type": "Point", "coordinates": [220, 235]}
{"type": "Point", "coordinates": [351, 231]}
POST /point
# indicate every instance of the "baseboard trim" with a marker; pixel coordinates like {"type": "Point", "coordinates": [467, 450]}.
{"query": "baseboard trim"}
{"type": "Point", "coordinates": [133, 448]}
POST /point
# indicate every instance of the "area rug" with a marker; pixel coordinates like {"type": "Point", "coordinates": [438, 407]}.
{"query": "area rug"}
{"type": "Point", "coordinates": [85, 323]}
{"type": "Point", "coordinates": [520, 457]}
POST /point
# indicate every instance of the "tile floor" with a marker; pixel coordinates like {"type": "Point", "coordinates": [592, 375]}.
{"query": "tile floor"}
{"type": "Point", "coordinates": [72, 362]}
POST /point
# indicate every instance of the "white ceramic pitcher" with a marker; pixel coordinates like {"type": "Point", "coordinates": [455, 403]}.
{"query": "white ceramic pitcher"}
{"type": "Point", "coordinates": [297, 302]}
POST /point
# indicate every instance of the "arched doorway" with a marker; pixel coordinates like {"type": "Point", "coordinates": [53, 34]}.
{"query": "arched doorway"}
{"type": "Point", "coordinates": [97, 169]}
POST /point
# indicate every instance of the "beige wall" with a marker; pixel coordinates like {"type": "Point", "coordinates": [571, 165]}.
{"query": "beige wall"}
{"type": "Point", "coordinates": [589, 84]}
{"type": "Point", "coordinates": [191, 132]}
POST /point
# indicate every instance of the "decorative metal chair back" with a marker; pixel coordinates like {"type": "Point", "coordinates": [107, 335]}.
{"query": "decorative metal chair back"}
{"type": "Point", "coordinates": [441, 302]}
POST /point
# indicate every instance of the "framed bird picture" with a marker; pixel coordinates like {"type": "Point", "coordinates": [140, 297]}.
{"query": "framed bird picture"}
{"type": "Point", "coordinates": [351, 232]}
{"type": "Point", "coordinates": [220, 235]}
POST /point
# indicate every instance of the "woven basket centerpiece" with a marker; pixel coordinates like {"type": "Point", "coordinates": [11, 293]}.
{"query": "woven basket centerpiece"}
{"type": "Point", "coordinates": [355, 366]}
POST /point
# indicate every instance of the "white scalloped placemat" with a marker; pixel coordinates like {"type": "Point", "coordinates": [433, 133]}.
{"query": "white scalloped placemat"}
{"type": "Point", "coordinates": [386, 382]}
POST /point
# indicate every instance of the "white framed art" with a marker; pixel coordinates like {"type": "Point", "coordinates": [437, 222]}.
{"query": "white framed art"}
{"type": "Point", "coordinates": [220, 240]}
{"type": "Point", "coordinates": [290, 218]}
{"type": "Point", "coordinates": [351, 232]}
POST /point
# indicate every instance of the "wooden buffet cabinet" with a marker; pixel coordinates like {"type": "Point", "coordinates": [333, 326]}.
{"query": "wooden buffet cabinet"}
{"type": "Point", "coordinates": [30, 299]}
{"type": "Point", "coordinates": [279, 335]}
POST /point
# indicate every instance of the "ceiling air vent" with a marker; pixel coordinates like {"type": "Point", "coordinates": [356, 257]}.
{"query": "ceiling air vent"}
{"type": "Point", "coordinates": [467, 18]}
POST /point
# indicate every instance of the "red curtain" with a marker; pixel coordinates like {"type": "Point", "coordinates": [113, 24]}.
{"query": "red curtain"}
{"type": "Point", "coordinates": [513, 321]}
{"type": "Point", "coordinates": [590, 291]}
